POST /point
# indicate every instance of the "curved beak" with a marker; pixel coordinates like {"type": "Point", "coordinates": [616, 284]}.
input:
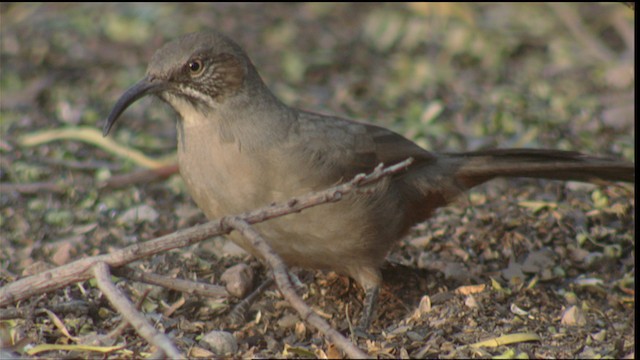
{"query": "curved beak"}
{"type": "Point", "coordinates": [142, 88]}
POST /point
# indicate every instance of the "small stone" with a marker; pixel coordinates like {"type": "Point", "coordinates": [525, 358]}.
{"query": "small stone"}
{"type": "Point", "coordinates": [573, 316]}
{"type": "Point", "coordinates": [471, 302]}
{"type": "Point", "coordinates": [300, 330]}
{"type": "Point", "coordinates": [288, 321]}
{"type": "Point", "coordinates": [220, 342]}
{"type": "Point", "coordinates": [138, 214]}
{"type": "Point", "coordinates": [238, 280]}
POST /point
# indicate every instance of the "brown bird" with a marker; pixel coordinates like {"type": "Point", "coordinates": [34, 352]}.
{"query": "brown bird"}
{"type": "Point", "coordinates": [240, 148]}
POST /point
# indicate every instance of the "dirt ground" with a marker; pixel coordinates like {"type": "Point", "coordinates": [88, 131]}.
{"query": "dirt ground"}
{"type": "Point", "coordinates": [552, 260]}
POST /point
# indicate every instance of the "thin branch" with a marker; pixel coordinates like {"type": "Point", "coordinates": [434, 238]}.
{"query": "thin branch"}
{"type": "Point", "coordinates": [32, 188]}
{"type": "Point", "coordinates": [79, 165]}
{"type": "Point", "coordinates": [75, 307]}
{"type": "Point", "coordinates": [127, 309]}
{"type": "Point", "coordinates": [281, 276]}
{"type": "Point", "coordinates": [124, 324]}
{"type": "Point", "coordinates": [137, 177]}
{"type": "Point", "coordinates": [113, 182]}
{"type": "Point", "coordinates": [94, 137]}
{"type": "Point", "coordinates": [98, 266]}
{"type": "Point", "coordinates": [80, 270]}
{"type": "Point", "coordinates": [185, 286]}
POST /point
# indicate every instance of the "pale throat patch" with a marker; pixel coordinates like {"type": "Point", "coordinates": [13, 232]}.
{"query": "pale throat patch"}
{"type": "Point", "coordinates": [189, 112]}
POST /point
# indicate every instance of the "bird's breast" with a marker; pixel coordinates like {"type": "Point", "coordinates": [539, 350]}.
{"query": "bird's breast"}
{"type": "Point", "coordinates": [226, 178]}
{"type": "Point", "coordinates": [220, 175]}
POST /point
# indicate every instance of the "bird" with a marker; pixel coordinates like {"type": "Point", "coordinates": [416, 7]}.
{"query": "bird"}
{"type": "Point", "coordinates": [240, 148]}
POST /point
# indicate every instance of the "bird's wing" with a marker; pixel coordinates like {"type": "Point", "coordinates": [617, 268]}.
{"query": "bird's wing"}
{"type": "Point", "coordinates": [344, 148]}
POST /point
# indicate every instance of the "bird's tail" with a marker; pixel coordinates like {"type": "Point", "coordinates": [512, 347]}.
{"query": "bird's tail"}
{"type": "Point", "coordinates": [440, 182]}
{"type": "Point", "coordinates": [474, 168]}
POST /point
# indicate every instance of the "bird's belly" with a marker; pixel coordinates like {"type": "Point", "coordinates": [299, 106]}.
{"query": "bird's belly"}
{"type": "Point", "coordinates": [224, 180]}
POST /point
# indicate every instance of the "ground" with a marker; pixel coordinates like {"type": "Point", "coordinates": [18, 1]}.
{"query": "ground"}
{"type": "Point", "coordinates": [549, 259]}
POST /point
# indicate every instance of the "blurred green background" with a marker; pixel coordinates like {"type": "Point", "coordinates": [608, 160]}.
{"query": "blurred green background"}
{"type": "Point", "coordinates": [450, 76]}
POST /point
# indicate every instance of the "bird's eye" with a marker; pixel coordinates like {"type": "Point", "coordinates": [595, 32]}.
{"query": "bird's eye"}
{"type": "Point", "coordinates": [196, 67]}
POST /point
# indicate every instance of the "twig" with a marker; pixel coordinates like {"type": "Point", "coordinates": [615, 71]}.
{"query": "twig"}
{"type": "Point", "coordinates": [286, 288]}
{"type": "Point", "coordinates": [129, 312]}
{"type": "Point", "coordinates": [185, 286]}
{"type": "Point", "coordinates": [142, 176]}
{"type": "Point", "coordinates": [32, 188]}
{"type": "Point", "coordinates": [79, 165]}
{"type": "Point", "coordinates": [114, 182]}
{"type": "Point", "coordinates": [98, 266]}
{"type": "Point", "coordinates": [92, 136]}
{"type": "Point", "coordinates": [80, 270]}
{"type": "Point", "coordinates": [75, 307]}
{"type": "Point", "coordinates": [125, 324]}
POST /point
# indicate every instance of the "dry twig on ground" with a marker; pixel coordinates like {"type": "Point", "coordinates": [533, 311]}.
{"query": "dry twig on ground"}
{"type": "Point", "coordinates": [98, 266]}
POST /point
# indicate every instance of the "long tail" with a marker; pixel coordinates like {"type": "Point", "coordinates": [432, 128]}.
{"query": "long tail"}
{"type": "Point", "coordinates": [474, 168]}
{"type": "Point", "coordinates": [437, 183]}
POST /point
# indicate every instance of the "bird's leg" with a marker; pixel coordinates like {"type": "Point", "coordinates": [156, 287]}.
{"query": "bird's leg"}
{"type": "Point", "coordinates": [368, 306]}
{"type": "Point", "coordinates": [237, 315]}
{"type": "Point", "coordinates": [298, 285]}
